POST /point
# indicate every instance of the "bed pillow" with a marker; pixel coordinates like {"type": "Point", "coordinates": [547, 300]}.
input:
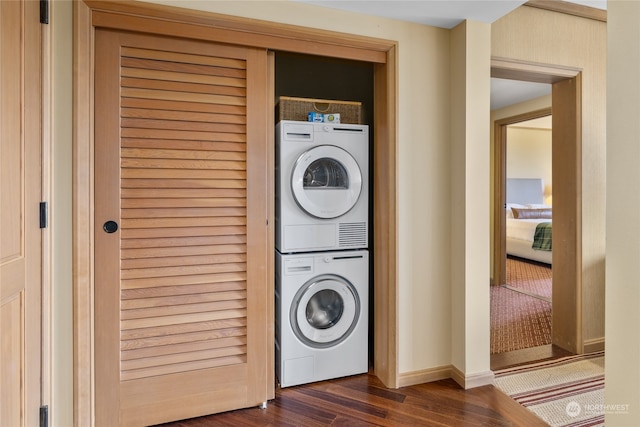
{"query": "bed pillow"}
{"type": "Point", "coordinates": [540, 213]}
{"type": "Point", "coordinates": [510, 206]}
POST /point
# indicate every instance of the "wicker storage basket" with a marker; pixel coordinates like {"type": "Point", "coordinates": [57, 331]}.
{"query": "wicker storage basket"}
{"type": "Point", "coordinates": [290, 108]}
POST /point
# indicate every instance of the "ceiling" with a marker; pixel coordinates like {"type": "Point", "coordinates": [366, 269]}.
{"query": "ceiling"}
{"type": "Point", "coordinates": [448, 14]}
{"type": "Point", "coordinates": [508, 92]}
{"type": "Point", "coordinates": [437, 13]}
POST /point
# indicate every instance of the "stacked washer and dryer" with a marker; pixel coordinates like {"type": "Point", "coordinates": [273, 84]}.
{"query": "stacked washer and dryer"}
{"type": "Point", "coordinates": [322, 261]}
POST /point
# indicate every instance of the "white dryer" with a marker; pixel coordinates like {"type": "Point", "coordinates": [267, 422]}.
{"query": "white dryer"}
{"type": "Point", "coordinates": [322, 306]}
{"type": "Point", "coordinates": [322, 188]}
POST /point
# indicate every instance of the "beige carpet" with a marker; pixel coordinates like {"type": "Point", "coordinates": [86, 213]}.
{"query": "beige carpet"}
{"type": "Point", "coordinates": [563, 392]}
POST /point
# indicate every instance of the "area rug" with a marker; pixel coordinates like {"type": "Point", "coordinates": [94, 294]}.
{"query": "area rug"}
{"type": "Point", "coordinates": [563, 392]}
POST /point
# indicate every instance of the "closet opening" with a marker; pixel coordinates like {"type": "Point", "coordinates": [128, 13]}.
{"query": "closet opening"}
{"type": "Point", "coordinates": [318, 77]}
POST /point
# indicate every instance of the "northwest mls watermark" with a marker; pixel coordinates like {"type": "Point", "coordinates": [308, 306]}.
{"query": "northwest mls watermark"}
{"type": "Point", "coordinates": [574, 408]}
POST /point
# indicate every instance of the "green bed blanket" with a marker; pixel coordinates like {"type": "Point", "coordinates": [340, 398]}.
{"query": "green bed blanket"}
{"type": "Point", "coordinates": [542, 237]}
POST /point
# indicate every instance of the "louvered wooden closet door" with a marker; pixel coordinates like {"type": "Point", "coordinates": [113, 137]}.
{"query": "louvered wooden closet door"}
{"type": "Point", "coordinates": [180, 286]}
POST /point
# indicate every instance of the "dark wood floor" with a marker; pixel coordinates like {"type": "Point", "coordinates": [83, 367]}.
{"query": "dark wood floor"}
{"type": "Point", "coordinates": [362, 400]}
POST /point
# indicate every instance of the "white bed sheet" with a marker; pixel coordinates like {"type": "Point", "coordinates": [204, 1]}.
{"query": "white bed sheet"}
{"type": "Point", "coordinates": [523, 229]}
{"type": "Point", "coordinates": [520, 234]}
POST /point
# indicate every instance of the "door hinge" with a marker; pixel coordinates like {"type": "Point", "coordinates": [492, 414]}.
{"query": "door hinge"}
{"type": "Point", "coordinates": [44, 11]}
{"type": "Point", "coordinates": [44, 214]}
{"type": "Point", "coordinates": [44, 416]}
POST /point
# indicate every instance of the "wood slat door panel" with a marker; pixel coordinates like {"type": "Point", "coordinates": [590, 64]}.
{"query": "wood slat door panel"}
{"type": "Point", "coordinates": [181, 306]}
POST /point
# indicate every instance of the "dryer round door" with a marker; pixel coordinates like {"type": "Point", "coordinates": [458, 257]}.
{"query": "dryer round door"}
{"type": "Point", "coordinates": [325, 311]}
{"type": "Point", "coordinates": [326, 181]}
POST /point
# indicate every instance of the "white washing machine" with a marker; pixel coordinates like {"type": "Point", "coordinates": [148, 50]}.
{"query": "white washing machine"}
{"type": "Point", "coordinates": [322, 188]}
{"type": "Point", "coordinates": [322, 306]}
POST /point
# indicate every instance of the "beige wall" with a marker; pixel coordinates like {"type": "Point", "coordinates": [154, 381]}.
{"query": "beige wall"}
{"type": "Point", "coordinates": [622, 363]}
{"type": "Point", "coordinates": [469, 236]}
{"type": "Point", "coordinates": [541, 36]}
{"type": "Point", "coordinates": [529, 154]}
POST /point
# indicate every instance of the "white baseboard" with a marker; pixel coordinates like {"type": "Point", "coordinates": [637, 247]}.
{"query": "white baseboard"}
{"type": "Point", "coordinates": [473, 380]}
{"type": "Point", "coordinates": [445, 372]}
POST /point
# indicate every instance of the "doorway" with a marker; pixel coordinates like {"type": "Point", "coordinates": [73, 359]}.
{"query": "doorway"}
{"type": "Point", "coordinates": [566, 171]}
{"type": "Point", "coordinates": [521, 300]}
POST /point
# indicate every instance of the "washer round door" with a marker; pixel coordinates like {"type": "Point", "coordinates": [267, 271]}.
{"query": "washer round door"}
{"type": "Point", "coordinates": [325, 311]}
{"type": "Point", "coordinates": [326, 181]}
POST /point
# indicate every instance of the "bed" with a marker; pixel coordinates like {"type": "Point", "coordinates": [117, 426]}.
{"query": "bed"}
{"type": "Point", "coordinates": [528, 222]}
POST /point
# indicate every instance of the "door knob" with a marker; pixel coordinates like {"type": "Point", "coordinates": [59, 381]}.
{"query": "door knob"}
{"type": "Point", "coordinates": [110, 226]}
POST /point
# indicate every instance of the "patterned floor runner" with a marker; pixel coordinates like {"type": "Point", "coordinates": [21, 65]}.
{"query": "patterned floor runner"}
{"type": "Point", "coordinates": [567, 392]}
